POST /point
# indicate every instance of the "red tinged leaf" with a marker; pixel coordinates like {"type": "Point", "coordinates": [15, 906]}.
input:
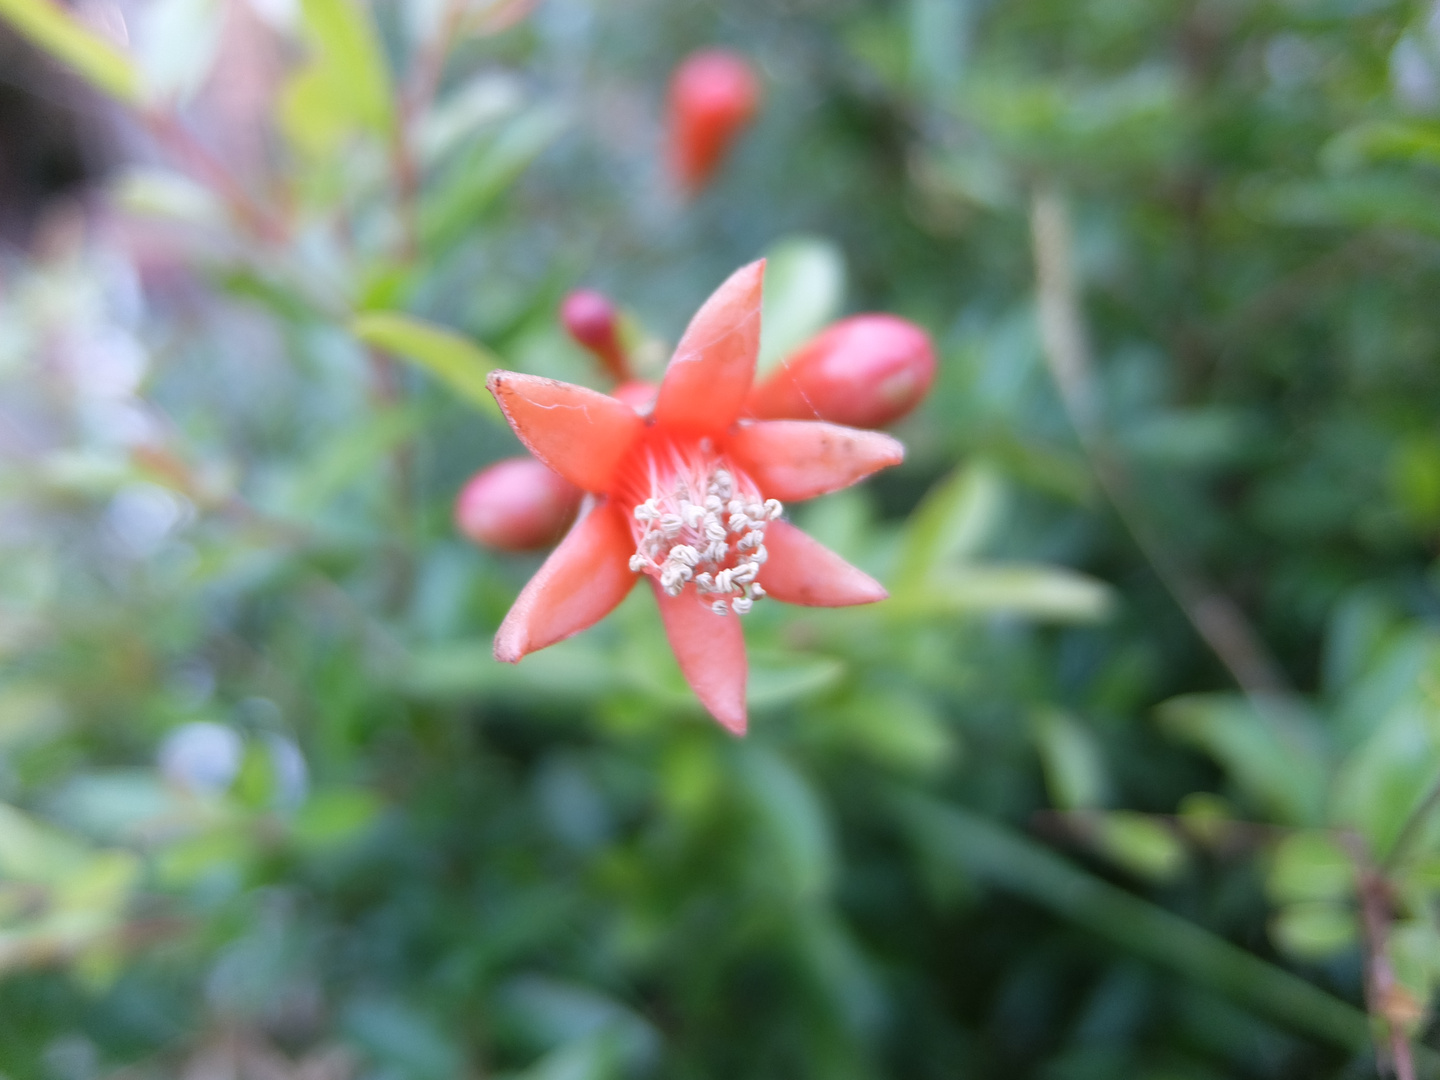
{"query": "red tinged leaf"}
{"type": "Point", "coordinates": [517, 504]}
{"type": "Point", "coordinates": [711, 652]}
{"type": "Point", "coordinates": [793, 460]}
{"type": "Point", "coordinates": [579, 584]}
{"type": "Point", "coordinates": [709, 376]}
{"type": "Point", "coordinates": [801, 570]}
{"type": "Point", "coordinates": [581, 434]}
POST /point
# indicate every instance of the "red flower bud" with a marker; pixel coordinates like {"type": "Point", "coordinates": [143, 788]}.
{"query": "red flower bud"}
{"type": "Point", "coordinates": [590, 318]}
{"type": "Point", "coordinates": [713, 94]}
{"type": "Point", "coordinates": [863, 372]}
{"type": "Point", "coordinates": [516, 505]}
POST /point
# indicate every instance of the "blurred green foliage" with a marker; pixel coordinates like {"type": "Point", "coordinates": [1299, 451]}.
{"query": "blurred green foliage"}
{"type": "Point", "coordinates": [1135, 774]}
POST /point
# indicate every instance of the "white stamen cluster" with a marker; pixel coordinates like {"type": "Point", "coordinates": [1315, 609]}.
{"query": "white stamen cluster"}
{"type": "Point", "coordinates": [717, 543]}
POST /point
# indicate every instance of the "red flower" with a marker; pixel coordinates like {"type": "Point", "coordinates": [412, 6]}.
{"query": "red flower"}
{"type": "Point", "coordinates": [713, 95]}
{"type": "Point", "coordinates": [688, 495]}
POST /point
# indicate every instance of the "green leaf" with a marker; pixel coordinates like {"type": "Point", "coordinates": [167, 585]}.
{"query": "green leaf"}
{"type": "Point", "coordinates": [1315, 930]}
{"type": "Point", "coordinates": [455, 360]}
{"type": "Point", "coordinates": [52, 29]}
{"type": "Point", "coordinates": [1310, 866]}
{"type": "Point", "coordinates": [1389, 777]}
{"type": "Point", "coordinates": [1274, 754]}
{"type": "Point", "coordinates": [804, 288]}
{"type": "Point", "coordinates": [1070, 755]}
{"type": "Point", "coordinates": [954, 520]}
{"type": "Point", "coordinates": [354, 66]}
{"type": "Point", "coordinates": [479, 178]}
{"type": "Point", "coordinates": [1141, 844]}
{"type": "Point", "coordinates": [793, 823]}
{"type": "Point", "coordinates": [1040, 592]}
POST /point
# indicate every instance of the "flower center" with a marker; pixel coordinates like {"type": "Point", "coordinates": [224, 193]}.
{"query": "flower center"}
{"type": "Point", "coordinates": [702, 524]}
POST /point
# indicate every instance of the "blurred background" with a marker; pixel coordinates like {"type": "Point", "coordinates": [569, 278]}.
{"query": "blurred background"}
{"type": "Point", "coordinates": [1135, 775]}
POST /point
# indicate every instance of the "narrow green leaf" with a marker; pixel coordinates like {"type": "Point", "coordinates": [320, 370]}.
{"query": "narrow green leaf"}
{"type": "Point", "coordinates": [355, 70]}
{"type": "Point", "coordinates": [455, 360]}
{"type": "Point", "coordinates": [1070, 755]}
{"type": "Point", "coordinates": [50, 27]}
{"type": "Point", "coordinates": [953, 522]}
{"type": "Point", "coordinates": [480, 177]}
{"type": "Point", "coordinates": [804, 288]}
{"type": "Point", "coordinates": [1041, 592]}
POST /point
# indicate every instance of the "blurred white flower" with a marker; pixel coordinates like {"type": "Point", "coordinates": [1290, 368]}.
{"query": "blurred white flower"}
{"type": "Point", "coordinates": [202, 757]}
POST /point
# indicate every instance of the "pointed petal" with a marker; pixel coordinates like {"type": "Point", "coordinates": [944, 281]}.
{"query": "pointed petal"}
{"type": "Point", "coordinates": [801, 570]}
{"type": "Point", "coordinates": [710, 374]}
{"type": "Point", "coordinates": [579, 584]}
{"type": "Point", "coordinates": [711, 651]}
{"type": "Point", "coordinates": [581, 434]}
{"type": "Point", "coordinates": [799, 459]}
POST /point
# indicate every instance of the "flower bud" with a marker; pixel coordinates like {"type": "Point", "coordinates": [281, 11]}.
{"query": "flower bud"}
{"type": "Point", "coordinates": [516, 505]}
{"type": "Point", "coordinates": [864, 372]}
{"type": "Point", "coordinates": [713, 95]}
{"type": "Point", "coordinates": [590, 318]}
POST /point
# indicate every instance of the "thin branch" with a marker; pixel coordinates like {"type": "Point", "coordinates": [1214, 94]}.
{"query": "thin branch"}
{"type": "Point", "coordinates": [209, 170]}
{"type": "Point", "coordinates": [1215, 617]}
{"type": "Point", "coordinates": [1386, 999]}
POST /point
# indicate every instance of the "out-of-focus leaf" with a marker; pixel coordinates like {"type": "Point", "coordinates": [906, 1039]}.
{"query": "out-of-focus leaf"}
{"type": "Point", "coordinates": [177, 41]}
{"type": "Point", "coordinates": [1414, 951]}
{"type": "Point", "coordinates": [804, 289]}
{"type": "Point", "coordinates": [28, 710]}
{"type": "Point", "coordinates": [1074, 768]}
{"type": "Point", "coordinates": [345, 460]}
{"type": "Point", "coordinates": [32, 852]}
{"type": "Point", "coordinates": [777, 678]}
{"type": "Point", "coordinates": [1359, 200]}
{"type": "Point", "coordinates": [571, 670]}
{"type": "Point", "coordinates": [354, 63]}
{"type": "Point", "coordinates": [480, 177]}
{"type": "Point", "coordinates": [402, 1038]}
{"type": "Point", "coordinates": [791, 822]}
{"type": "Point", "coordinates": [567, 1016]}
{"type": "Point", "coordinates": [1140, 844]}
{"type": "Point", "coordinates": [1310, 866]}
{"type": "Point", "coordinates": [1314, 931]}
{"type": "Point", "coordinates": [333, 816]}
{"type": "Point", "coordinates": [52, 28]}
{"type": "Point", "coordinates": [1416, 141]}
{"type": "Point", "coordinates": [1275, 756]}
{"type": "Point", "coordinates": [900, 730]}
{"type": "Point", "coordinates": [1040, 592]}
{"type": "Point", "coordinates": [1389, 776]}
{"type": "Point", "coordinates": [457, 361]}
{"type": "Point", "coordinates": [484, 100]}
{"type": "Point", "coordinates": [953, 522]}
{"type": "Point", "coordinates": [152, 192]}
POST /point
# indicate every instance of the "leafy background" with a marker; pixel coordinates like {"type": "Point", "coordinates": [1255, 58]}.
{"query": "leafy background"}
{"type": "Point", "coordinates": [1135, 774]}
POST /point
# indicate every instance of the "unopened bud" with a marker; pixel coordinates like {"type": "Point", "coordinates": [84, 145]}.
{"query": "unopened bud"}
{"type": "Point", "coordinates": [516, 505]}
{"type": "Point", "coordinates": [865, 372]}
{"type": "Point", "coordinates": [590, 318]}
{"type": "Point", "coordinates": [713, 95]}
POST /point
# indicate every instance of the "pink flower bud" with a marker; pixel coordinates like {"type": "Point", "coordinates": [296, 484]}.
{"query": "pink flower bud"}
{"type": "Point", "coordinates": [864, 372]}
{"type": "Point", "coordinates": [516, 505]}
{"type": "Point", "coordinates": [713, 95]}
{"type": "Point", "coordinates": [590, 318]}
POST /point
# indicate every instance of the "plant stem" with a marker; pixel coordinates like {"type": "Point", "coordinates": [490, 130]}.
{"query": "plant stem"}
{"type": "Point", "coordinates": [1215, 617]}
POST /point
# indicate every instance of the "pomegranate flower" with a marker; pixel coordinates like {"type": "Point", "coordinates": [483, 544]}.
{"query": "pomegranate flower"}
{"type": "Point", "coordinates": [690, 496]}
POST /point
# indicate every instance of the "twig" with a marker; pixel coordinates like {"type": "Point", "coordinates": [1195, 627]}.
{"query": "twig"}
{"type": "Point", "coordinates": [209, 170]}
{"type": "Point", "coordinates": [1215, 617]}
{"type": "Point", "coordinates": [1387, 1000]}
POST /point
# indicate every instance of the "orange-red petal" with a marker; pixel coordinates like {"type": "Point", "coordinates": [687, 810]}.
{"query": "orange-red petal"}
{"type": "Point", "coordinates": [581, 434]}
{"type": "Point", "coordinates": [798, 459]}
{"type": "Point", "coordinates": [708, 377]}
{"type": "Point", "coordinates": [801, 570]}
{"type": "Point", "coordinates": [711, 652]}
{"type": "Point", "coordinates": [578, 585]}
